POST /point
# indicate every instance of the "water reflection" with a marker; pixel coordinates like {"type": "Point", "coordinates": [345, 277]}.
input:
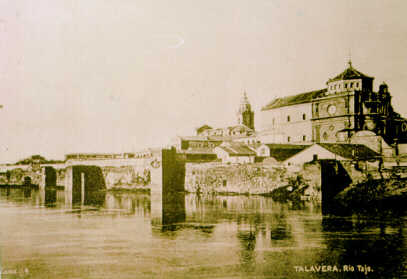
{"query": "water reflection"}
{"type": "Point", "coordinates": [247, 240]}
{"type": "Point", "coordinates": [133, 203]}
{"type": "Point", "coordinates": [220, 236]}
{"type": "Point", "coordinates": [378, 242]}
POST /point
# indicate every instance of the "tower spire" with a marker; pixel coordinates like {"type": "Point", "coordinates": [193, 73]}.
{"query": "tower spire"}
{"type": "Point", "coordinates": [245, 113]}
{"type": "Point", "coordinates": [350, 58]}
{"type": "Point", "coordinates": [245, 100]}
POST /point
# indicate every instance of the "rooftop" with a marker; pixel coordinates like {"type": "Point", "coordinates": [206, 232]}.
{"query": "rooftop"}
{"type": "Point", "coordinates": [294, 99]}
{"type": "Point", "coordinates": [282, 152]}
{"type": "Point", "coordinates": [350, 73]}
{"type": "Point", "coordinates": [350, 151]}
{"type": "Point", "coordinates": [237, 149]}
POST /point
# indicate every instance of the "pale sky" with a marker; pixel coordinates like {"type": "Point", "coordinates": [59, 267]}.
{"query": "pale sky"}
{"type": "Point", "coordinates": [120, 75]}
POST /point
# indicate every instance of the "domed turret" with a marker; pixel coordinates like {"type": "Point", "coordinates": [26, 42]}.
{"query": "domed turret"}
{"type": "Point", "coordinates": [350, 80]}
{"type": "Point", "coordinates": [383, 88]}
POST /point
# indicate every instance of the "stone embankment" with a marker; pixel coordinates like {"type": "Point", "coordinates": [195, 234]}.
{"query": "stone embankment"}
{"type": "Point", "coordinates": [256, 178]}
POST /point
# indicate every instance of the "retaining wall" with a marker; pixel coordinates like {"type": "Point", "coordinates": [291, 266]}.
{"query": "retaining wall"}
{"type": "Point", "coordinates": [254, 178]}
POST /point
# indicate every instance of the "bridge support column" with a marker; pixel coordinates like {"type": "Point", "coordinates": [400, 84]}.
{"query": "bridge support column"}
{"type": "Point", "coordinates": [69, 179]}
{"type": "Point", "coordinates": [43, 178]}
{"type": "Point", "coordinates": [82, 188]}
{"type": "Point", "coordinates": [168, 198]}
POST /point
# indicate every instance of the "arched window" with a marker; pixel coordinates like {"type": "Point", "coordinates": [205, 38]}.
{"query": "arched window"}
{"type": "Point", "coordinates": [304, 116]}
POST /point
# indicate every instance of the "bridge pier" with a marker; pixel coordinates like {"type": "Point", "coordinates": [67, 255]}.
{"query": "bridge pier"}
{"type": "Point", "coordinates": [83, 184]}
{"type": "Point", "coordinates": [168, 197]}
{"type": "Point", "coordinates": [334, 179]}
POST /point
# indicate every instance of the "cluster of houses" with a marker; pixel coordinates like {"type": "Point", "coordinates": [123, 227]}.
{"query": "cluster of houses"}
{"type": "Point", "coordinates": [239, 151]}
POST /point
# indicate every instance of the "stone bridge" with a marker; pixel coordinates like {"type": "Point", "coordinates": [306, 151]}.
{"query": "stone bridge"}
{"type": "Point", "coordinates": [161, 172]}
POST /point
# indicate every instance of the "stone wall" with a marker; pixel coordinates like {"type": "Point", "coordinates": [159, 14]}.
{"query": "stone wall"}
{"type": "Point", "coordinates": [126, 177]}
{"type": "Point", "coordinates": [18, 175]}
{"type": "Point", "coordinates": [123, 173]}
{"type": "Point", "coordinates": [254, 178]}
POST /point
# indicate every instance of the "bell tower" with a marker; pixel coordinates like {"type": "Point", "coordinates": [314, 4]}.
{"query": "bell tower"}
{"type": "Point", "coordinates": [245, 115]}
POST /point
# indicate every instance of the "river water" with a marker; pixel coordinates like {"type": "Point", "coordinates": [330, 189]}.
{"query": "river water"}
{"type": "Point", "coordinates": [123, 235]}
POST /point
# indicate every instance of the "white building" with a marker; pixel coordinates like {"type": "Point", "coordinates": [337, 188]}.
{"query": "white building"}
{"type": "Point", "coordinates": [288, 119]}
{"type": "Point", "coordinates": [235, 153]}
{"type": "Point", "coordinates": [297, 155]}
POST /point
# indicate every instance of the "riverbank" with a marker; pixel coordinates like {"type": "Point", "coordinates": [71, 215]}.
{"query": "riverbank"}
{"type": "Point", "coordinates": [373, 196]}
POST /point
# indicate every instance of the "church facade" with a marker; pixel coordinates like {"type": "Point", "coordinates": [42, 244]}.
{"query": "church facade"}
{"type": "Point", "coordinates": [334, 114]}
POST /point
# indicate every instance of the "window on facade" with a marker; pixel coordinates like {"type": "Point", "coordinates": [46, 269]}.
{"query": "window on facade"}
{"type": "Point", "coordinates": [304, 138]}
{"type": "Point", "coordinates": [288, 118]}
{"type": "Point", "coordinates": [273, 121]}
{"type": "Point", "coordinates": [351, 85]}
{"type": "Point", "coordinates": [374, 109]}
{"type": "Point", "coordinates": [346, 85]}
{"type": "Point", "coordinates": [288, 139]}
{"type": "Point", "coordinates": [304, 116]}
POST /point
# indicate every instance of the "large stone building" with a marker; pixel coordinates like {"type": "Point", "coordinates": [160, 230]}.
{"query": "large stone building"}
{"type": "Point", "coordinates": [288, 119]}
{"type": "Point", "coordinates": [334, 114]}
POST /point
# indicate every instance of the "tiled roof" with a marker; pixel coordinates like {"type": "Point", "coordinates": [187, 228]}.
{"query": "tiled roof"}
{"type": "Point", "coordinates": [294, 99]}
{"type": "Point", "coordinates": [350, 73]}
{"type": "Point", "coordinates": [282, 152]}
{"type": "Point", "coordinates": [350, 151]}
{"type": "Point", "coordinates": [237, 149]}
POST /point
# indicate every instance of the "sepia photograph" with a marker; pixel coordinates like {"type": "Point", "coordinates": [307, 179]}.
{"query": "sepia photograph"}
{"type": "Point", "coordinates": [203, 139]}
